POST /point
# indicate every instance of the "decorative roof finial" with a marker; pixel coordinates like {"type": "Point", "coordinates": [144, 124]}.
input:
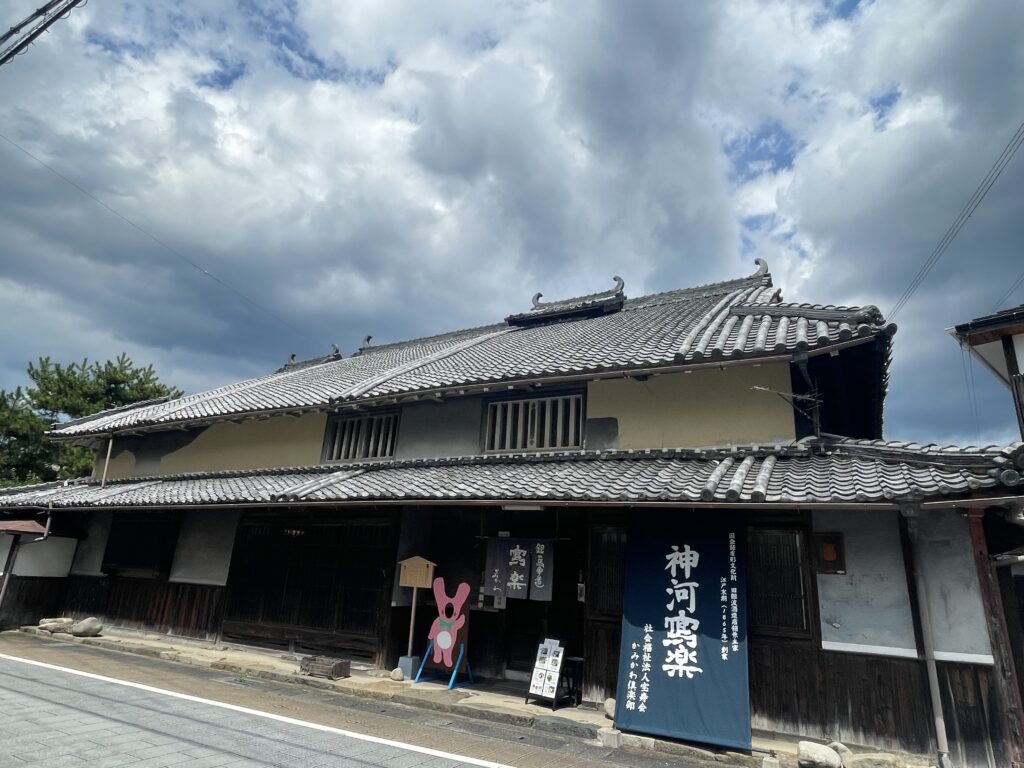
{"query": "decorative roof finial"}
{"type": "Point", "coordinates": [366, 342]}
{"type": "Point", "coordinates": [762, 267]}
{"type": "Point", "coordinates": [620, 284]}
{"type": "Point", "coordinates": [536, 299]}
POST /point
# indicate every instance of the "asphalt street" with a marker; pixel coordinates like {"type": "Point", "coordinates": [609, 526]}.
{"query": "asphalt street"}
{"type": "Point", "coordinates": [68, 705]}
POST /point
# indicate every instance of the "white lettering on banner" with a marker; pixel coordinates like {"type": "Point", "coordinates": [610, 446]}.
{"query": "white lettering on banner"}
{"type": "Point", "coordinates": [516, 581]}
{"type": "Point", "coordinates": [686, 560]}
{"type": "Point", "coordinates": [734, 596]}
{"type": "Point", "coordinates": [538, 566]}
{"type": "Point", "coordinates": [517, 556]}
{"type": "Point", "coordinates": [681, 628]}
{"type": "Point", "coordinates": [682, 592]}
{"type": "Point", "coordinates": [645, 667]}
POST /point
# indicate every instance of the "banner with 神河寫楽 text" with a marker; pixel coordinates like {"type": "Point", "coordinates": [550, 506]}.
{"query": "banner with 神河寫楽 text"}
{"type": "Point", "coordinates": [683, 660]}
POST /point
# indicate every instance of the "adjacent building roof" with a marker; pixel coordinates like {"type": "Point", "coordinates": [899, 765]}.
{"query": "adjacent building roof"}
{"type": "Point", "coordinates": [590, 336]}
{"type": "Point", "coordinates": [810, 472]}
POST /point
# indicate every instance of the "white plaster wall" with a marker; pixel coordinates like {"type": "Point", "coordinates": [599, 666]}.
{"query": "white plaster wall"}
{"type": "Point", "coordinates": [89, 557]}
{"type": "Point", "coordinates": [50, 558]}
{"type": "Point", "coordinates": [954, 594]}
{"type": "Point", "coordinates": [205, 542]}
{"type": "Point", "coordinates": [867, 609]}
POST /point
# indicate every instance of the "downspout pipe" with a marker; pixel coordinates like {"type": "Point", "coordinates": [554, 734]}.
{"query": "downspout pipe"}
{"type": "Point", "coordinates": [12, 555]}
{"type": "Point", "coordinates": [927, 638]}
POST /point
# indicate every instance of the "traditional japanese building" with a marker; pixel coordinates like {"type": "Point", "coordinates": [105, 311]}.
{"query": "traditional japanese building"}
{"type": "Point", "coordinates": [273, 511]}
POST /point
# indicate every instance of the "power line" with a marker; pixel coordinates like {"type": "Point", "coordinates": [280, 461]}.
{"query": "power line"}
{"type": "Point", "coordinates": [965, 213]}
{"type": "Point", "coordinates": [154, 238]}
{"type": "Point", "coordinates": [972, 396]}
{"type": "Point", "coordinates": [26, 31]}
{"type": "Point", "coordinates": [1009, 292]}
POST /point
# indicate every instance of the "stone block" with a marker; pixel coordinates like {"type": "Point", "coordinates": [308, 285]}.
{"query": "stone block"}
{"type": "Point", "coordinates": [811, 755]}
{"type": "Point", "coordinates": [844, 752]}
{"type": "Point", "coordinates": [409, 665]}
{"type": "Point", "coordinates": [397, 674]}
{"type": "Point", "coordinates": [609, 708]}
{"type": "Point", "coordinates": [609, 737]}
{"type": "Point", "coordinates": [872, 760]}
{"type": "Point", "coordinates": [90, 627]}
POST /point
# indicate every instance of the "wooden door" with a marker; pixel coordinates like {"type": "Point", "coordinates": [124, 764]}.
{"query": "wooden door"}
{"type": "Point", "coordinates": [606, 573]}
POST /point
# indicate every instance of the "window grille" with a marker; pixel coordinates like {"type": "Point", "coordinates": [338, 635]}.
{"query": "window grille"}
{"type": "Point", "coordinates": [777, 583]}
{"type": "Point", "coordinates": [361, 437]}
{"type": "Point", "coordinates": [536, 424]}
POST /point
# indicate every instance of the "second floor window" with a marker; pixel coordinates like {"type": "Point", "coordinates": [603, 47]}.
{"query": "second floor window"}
{"type": "Point", "coordinates": [536, 424]}
{"type": "Point", "coordinates": [355, 438]}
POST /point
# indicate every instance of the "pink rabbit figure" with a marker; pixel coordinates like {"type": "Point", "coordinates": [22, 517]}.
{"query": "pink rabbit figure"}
{"type": "Point", "coordinates": [449, 620]}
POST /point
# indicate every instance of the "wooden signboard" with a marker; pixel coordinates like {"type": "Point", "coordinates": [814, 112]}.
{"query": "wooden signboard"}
{"type": "Point", "coordinates": [416, 572]}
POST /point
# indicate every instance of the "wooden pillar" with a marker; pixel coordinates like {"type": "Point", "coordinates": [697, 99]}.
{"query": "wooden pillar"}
{"type": "Point", "coordinates": [1004, 675]}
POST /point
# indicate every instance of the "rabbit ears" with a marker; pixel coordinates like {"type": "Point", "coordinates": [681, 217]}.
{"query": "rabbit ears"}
{"type": "Point", "coordinates": [441, 594]}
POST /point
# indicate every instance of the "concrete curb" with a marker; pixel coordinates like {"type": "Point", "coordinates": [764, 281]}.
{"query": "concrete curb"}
{"type": "Point", "coordinates": [545, 723]}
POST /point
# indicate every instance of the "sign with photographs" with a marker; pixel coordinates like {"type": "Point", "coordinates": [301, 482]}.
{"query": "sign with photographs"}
{"type": "Point", "coordinates": [546, 670]}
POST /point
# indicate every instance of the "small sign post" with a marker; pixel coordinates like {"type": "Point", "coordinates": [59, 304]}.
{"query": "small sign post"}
{"type": "Point", "coordinates": [413, 572]}
{"type": "Point", "coordinates": [547, 672]}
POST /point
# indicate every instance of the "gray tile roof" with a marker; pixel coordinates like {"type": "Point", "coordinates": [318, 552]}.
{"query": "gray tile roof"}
{"type": "Point", "coordinates": [824, 471]}
{"type": "Point", "coordinates": [732, 320]}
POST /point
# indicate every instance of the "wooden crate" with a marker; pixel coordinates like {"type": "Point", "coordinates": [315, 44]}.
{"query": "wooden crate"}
{"type": "Point", "coordinates": [325, 666]}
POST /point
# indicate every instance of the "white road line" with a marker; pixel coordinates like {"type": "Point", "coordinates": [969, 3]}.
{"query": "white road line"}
{"type": "Point", "coordinates": [258, 713]}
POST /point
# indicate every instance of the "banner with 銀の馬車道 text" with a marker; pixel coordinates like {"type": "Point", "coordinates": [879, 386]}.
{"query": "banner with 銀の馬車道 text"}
{"type": "Point", "coordinates": [683, 659]}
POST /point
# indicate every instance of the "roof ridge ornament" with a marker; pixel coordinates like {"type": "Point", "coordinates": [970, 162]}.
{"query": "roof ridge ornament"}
{"type": "Point", "coordinates": [762, 267]}
{"type": "Point", "coordinates": [589, 305]}
{"type": "Point", "coordinates": [620, 284]}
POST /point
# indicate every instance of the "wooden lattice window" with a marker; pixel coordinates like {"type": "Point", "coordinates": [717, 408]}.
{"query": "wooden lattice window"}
{"type": "Point", "coordinates": [358, 438]}
{"type": "Point", "coordinates": [535, 424]}
{"type": "Point", "coordinates": [777, 582]}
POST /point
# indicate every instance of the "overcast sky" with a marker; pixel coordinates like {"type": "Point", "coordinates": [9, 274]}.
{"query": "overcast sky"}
{"type": "Point", "coordinates": [400, 169]}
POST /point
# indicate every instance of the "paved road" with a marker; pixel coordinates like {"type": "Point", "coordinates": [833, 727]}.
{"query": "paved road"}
{"type": "Point", "coordinates": [49, 717]}
{"type": "Point", "coordinates": [53, 717]}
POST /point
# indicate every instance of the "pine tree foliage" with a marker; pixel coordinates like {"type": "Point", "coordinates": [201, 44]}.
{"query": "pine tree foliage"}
{"type": "Point", "coordinates": [60, 392]}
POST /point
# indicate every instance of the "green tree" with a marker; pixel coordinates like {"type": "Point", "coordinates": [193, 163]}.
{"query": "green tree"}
{"type": "Point", "coordinates": [61, 392]}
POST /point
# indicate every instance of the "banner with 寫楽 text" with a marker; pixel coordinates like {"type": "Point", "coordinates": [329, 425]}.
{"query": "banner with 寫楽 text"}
{"type": "Point", "coordinates": [683, 660]}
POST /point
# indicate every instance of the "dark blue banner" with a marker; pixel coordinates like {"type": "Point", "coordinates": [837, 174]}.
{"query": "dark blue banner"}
{"type": "Point", "coordinates": [683, 663]}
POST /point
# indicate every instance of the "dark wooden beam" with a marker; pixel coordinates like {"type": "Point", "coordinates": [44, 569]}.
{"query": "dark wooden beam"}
{"type": "Point", "coordinates": [1005, 676]}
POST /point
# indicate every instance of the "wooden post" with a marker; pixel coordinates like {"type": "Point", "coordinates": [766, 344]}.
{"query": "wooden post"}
{"type": "Point", "coordinates": [927, 639]}
{"type": "Point", "coordinates": [1005, 679]}
{"type": "Point", "coordinates": [412, 622]}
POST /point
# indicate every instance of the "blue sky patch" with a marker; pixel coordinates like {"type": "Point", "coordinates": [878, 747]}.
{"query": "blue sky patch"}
{"type": "Point", "coordinates": [882, 105]}
{"type": "Point", "coordinates": [225, 75]}
{"type": "Point", "coordinates": [276, 24]}
{"type": "Point", "coordinates": [767, 149]}
{"type": "Point", "coordinates": [842, 9]}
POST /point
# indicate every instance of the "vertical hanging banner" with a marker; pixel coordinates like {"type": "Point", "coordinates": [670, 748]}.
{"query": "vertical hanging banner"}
{"type": "Point", "coordinates": [543, 569]}
{"type": "Point", "coordinates": [519, 568]}
{"type": "Point", "coordinates": [683, 661]}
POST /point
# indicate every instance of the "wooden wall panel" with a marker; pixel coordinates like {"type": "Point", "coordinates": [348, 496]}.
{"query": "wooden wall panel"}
{"type": "Point", "coordinates": [31, 598]}
{"type": "Point", "coordinates": [191, 610]}
{"type": "Point", "coordinates": [873, 701]}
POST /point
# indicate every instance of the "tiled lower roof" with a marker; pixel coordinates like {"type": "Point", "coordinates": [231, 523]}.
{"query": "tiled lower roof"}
{"type": "Point", "coordinates": [825, 471]}
{"type": "Point", "coordinates": [742, 319]}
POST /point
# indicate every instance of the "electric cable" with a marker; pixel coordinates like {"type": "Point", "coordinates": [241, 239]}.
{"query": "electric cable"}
{"type": "Point", "coordinates": [961, 219]}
